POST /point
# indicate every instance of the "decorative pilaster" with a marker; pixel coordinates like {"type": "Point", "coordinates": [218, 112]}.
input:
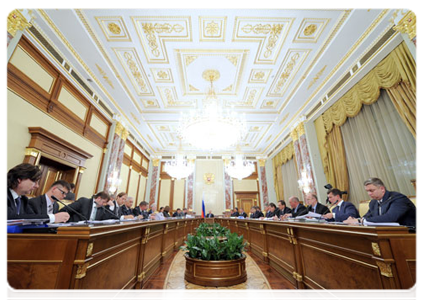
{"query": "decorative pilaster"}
{"type": "Point", "coordinates": [154, 180]}
{"type": "Point", "coordinates": [17, 21]}
{"type": "Point", "coordinates": [228, 184]}
{"type": "Point", "coordinates": [263, 181]}
{"type": "Point", "coordinates": [405, 23]}
{"type": "Point", "coordinates": [190, 191]}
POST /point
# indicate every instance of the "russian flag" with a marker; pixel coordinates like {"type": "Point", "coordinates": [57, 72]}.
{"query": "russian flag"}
{"type": "Point", "coordinates": [203, 208]}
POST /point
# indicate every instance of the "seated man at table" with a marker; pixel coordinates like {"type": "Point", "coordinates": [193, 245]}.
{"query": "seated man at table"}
{"type": "Point", "coordinates": [235, 212]}
{"type": "Point", "coordinates": [297, 209]}
{"type": "Point", "coordinates": [141, 210]}
{"type": "Point", "coordinates": [386, 206]}
{"type": "Point", "coordinates": [258, 213]}
{"type": "Point", "coordinates": [46, 204]}
{"type": "Point", "coordinates": [282, 210]}
{"type": "Point", "coordinates": [343, 209]}
{"type": "Point", "coordinates": [21, 181]}
{"type": "Point", "coordinates": [210, 214]}
{"type": "Point", "coordinates": [126, 208]}
{"type": "Point", "coordinates": [272, 210]}
{"type": "Point", "coordinates": [242, 213]}
{"type": "Point", "coordinates": [315, 206]}
{"type": "Point", "coordinates": [90, 209]}
{"type": "Point", "coordinates": [177, 213]}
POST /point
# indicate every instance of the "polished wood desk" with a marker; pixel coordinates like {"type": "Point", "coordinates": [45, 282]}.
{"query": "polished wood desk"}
{"type": "Point", "coordinates": [327, 256]}
{"type": "Point", "coordinates": [117, 256]}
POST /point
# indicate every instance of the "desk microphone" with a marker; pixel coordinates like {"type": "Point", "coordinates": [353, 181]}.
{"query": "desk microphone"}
{"type": "Point", "coordinates": [67, 206]}
{"type": "Point", "coordinates": [106, 209]}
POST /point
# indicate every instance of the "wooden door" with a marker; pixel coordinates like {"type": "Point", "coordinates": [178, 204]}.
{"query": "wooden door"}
{"type": "Point", "coordinates": [246, 200]}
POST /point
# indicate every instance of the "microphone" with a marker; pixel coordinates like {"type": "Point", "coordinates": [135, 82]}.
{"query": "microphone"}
{"type": "Point", "coordinates": [108, 210]}
{"type": "Point", "coordinates": [67, 206]}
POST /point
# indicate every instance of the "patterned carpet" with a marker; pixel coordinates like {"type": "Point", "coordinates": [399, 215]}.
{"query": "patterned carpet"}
{"type": "Point", "coordinates": [175, 276]}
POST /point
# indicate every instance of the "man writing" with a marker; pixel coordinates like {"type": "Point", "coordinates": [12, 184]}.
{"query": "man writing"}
{"type": "Point", "coordinates": [343, 210]}
{"type": "Point", "coordinates": [46, 204]}
{"type": "Point", "coordinates": [386, 206]}
{"type": "Point", "coordinates": [315, 206]}
{"type": "Point", "coordinates": [22, 180]}
{"type": "Point", "coordinates": [297, 209]}
{"type": "Point", "coordinates": [90, 208]}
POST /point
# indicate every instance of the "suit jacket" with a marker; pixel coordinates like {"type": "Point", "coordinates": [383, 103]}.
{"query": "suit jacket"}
{"type": "Point", "coordinates": [137, 212]}
{"type": "Point", "coordinates": [320, 209]}
{"type": "Point", "coordinates": [39, 205]}
{"type": "Point", "coordinates": [124, 211]}
{"type": "Point", "coordinates": [301, 210]}
{"type": "Point", "coordinates": [396, 207]}
{"type": "Point", "coordinates": [257, 214]}
{"type": "Point", "coordinates": [210, 216]}
{"type": "Point", "coordinates": [175, 214]}
{"type": "Point", "coordinates": [271, 214]}
{"type": "Point", "coordinates": [235, 214]}
{"type": "Point", "coordinates": [285, 211]}
{"type": "Point", "coordinates": [166, 214]}
{"type": "Point", "coordinates": [25, 211]}
{"type": "Point", "coordinates": [70, 196]}
{"type": "Point", "coordinates": [85, 206]}
{"type": "Point", "coordinates": [243, 214]}
{"type": "Point", "coordinates": [116, 208]}
{"type": "Point", "coordinates": [345, 210]}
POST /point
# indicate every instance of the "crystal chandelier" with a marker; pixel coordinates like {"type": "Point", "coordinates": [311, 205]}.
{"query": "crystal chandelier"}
{"type": "Point", "coordinates": [239, 167]}
{"type": "Point", "coordinates": [179, 167]}
{"type": "Point", "coordinates": [212, 128]}
{"type": "Point", "coordinates": [114, 182]}
{"type": "Point", "coordinates": [304, 183]}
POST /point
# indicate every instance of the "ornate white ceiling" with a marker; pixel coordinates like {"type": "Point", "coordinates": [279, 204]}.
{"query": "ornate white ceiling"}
{"type": "Point", "coordinates": [274, 65]}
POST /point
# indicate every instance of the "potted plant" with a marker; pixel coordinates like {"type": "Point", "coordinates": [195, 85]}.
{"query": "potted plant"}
{"type": "Point", "coordinates": [214, 257]}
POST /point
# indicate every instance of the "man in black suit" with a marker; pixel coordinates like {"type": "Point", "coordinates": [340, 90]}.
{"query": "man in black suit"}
{"type": "Point", "coordinates": [126, 208]}
{"type": "Point", "coordinates": [386, 206]}
{"type": "Point", "coordinates": [210, 214]}
{"type": "Point", "coordinates": [46, 204]}
{"type": "Point", "coordinates": [297, 209]}
{"type": "Point", "coordinates": [242, 213]}
{"type": "Point", "coordinates": [177, 213]}
{"type": "Point", "coordinates": [315, 206]}
{"type": "Point", "coordinates": [90, 208]}
{"type": "Point", "coordinates": [235, 213]}
{"type": "Point", "coordinates": [343, 209]}
{"type": "Point", "coordinates": [185, 211]}
{"type": "Point", "coordinates": [272, 210]}
{"type": "Point", "coordinates": [258, 213]}
{"type": "Point", "coordinates": [282, 209]}
{"type": "Point", "coordinates": [141, 210]}
{"type": "Point", "coordinates": [22, 180]}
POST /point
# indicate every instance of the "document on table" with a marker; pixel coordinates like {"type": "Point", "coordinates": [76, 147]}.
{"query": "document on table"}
{"type": "Point", "coordinates": [309, 215]}
{"type": "Point", "coordinates": [366, 223]}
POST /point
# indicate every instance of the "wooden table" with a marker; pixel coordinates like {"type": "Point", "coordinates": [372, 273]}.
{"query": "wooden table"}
{"type": "Point", "coordinates": [328, 256]}
{"type": "Point", "coordinates": [117, 256]}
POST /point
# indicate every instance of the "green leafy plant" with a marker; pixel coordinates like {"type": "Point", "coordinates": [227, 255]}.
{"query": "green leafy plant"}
{"type": "Point", "coordinates": [208, 243]}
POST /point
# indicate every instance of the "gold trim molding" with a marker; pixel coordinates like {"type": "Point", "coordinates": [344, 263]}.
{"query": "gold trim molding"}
{"type": "Point", "coordinates": [81, 271]}
{"type": "Point", "coordinates": [90, 249]}
{"type": "Point", "coordinates": [385, 269]}
{"type": "Point", "coordinates": [32, 152]}
{"type": "Point", "coordinates": [16, 22]}
{"type": "Point", "coordinates": [407, 25]}
{"type": "Point", "coordinates": [297, 276]}
{"type": "Point", "coordinates": [376, 249]}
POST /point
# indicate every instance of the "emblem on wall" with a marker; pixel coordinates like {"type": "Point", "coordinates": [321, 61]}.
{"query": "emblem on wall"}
{"type": "Point", "coordinates": [208, 178]}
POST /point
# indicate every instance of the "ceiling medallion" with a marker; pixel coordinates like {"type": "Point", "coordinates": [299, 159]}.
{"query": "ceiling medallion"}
{"type": "Point", "coordinates": [114, 28]}
{"type": "Point", "coordinates": [212, 128]}
{"type": "Point", "coordinates": [310, 29]}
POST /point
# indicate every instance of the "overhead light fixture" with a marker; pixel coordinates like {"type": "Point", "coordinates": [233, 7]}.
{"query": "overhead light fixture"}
{"type": "Point", "coordinates": [212, 128]}
{"type": "Point", "coordinates": [240, 167]}
{"type": "Point", "coordinates": [180, 166]}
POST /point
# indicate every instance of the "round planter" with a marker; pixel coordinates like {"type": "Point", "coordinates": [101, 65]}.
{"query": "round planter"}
{"type": "Point", "coordinates": [215, 272]}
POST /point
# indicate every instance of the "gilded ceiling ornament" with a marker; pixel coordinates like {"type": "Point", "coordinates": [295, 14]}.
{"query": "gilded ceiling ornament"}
{"type": "Point", "coordinates": [150, 102]}
{"type": "Point", "coordinates": [407, 25]}
{"type": "Point", "coordinates": [189, 59]}
{"type": "Point", "coordinates": [208, 178]}
{"type": "Point", "coordinates": [114, 28]}
{"type": "Point", "coordinates": [16, 21]}
{"type": "Point", "coordinates": [285, 75]}
{"type": "Point", "coordinates": [150, 31]}
{"type": "Point", "coordinates": [135, 72]}
{"type": "Point", "coordinates": [193, 89]}
{"type": "Point", "coordinates": [259, 75]}
{"type": "Point", "coordinates": [310, 29]}
{"type": "Point", "coordinates": [272, 30]}
{"type": "Point", "coordinates": [162, 75]}
{"type": "Point", "coordinates": [228, 89]}
{"type": "Point", "coordinates": [315, 78]}
{"type": "Point", "coordinates": [233, 59]}
{"type": "Point", "coordinates": [212, 28]}
{"type": "Point", "coordinates": [211, 75]}
{"type": "Point", "coordinates": [104, 76]}
{"type": "Point", "coordinates": [270, 103]}
{"type": "Point", "coordinates": [294, 135]}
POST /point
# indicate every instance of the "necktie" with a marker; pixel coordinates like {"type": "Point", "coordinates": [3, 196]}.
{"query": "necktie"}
{"type": "Point", "coordinates": [379, 203]}
{"type": "Point", "coordinates": [94, 213]}
{"type": "Point", "coordinates": [18, 205]}
{"type": "Point", "coordinates": [50, 209]}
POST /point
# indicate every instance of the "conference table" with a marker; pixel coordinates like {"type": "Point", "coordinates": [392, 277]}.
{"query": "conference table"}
{"type": "Point", "coordinates": [125, 255]}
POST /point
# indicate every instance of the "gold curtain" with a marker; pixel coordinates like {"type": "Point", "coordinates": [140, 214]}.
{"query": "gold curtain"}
{"type": "Point", "coordinates": [398, 66]}
{"type": "Point", "coordinates": [404, 99]}
{"type": "Point", "coordinates": [338, 172]}
{"type": "Point", "coordinates": [282, 157]}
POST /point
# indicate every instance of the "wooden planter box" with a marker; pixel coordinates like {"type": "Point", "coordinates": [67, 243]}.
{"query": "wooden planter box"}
{"type": "Point", "coordinates": [215, 273]}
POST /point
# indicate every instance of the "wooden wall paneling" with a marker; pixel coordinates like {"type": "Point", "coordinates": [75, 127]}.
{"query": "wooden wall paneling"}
{"type": "Point", "coordinates": [153, 252]}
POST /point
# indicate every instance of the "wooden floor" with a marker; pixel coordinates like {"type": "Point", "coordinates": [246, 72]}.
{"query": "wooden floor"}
{"type": "Point", "coordinates": [276, 280]}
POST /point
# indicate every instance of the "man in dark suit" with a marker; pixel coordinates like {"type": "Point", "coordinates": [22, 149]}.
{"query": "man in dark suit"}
{"type": "Point", "coordinates": [282, 209]}
{"type": "Point", "coordinates": [297, 209]}
{"type": "Point", "coordinates": [70, 195]}
{"type": "Point", "coordinates": [235, 213]}
{"type": "Point", "coordinates": [90, 208]}
{"type": "Point", "coordinates": [343, 209]}
{"type": "Point", "coordinates": [242, 213]}
{"type": "Point", "coordinates": [126, 208]}
{"type": "Point", "coordinates": [386, 206]}
{"type": "Point", "coordinates": [210, 214]}
{"type": "Point", "coordinates": [141, 210]}
{"type": "Point", "coordinates": [315, 206]}
{"type": "Point", "coordinates": [46, 204]}
{"type": "Point", "coordinates": [272, 210]}
{"type": "Point", "coordinates": [258, 213]}
{"type": "Point", "coordinates": [177, 213]}
{"type": "Point", "coordinates": [22, 180]}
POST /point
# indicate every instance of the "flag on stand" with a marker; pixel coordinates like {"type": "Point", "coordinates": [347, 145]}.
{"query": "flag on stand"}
{"type": "Point", "coordinates": [203, 208]}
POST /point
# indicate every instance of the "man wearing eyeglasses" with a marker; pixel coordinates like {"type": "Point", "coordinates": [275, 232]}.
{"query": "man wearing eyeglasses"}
{"type": "Point", "coordinates": [45, 204]}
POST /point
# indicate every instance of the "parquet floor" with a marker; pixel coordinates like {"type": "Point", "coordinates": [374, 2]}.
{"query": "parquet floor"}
{"type": "Point", "coordinates": [281, 288]}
